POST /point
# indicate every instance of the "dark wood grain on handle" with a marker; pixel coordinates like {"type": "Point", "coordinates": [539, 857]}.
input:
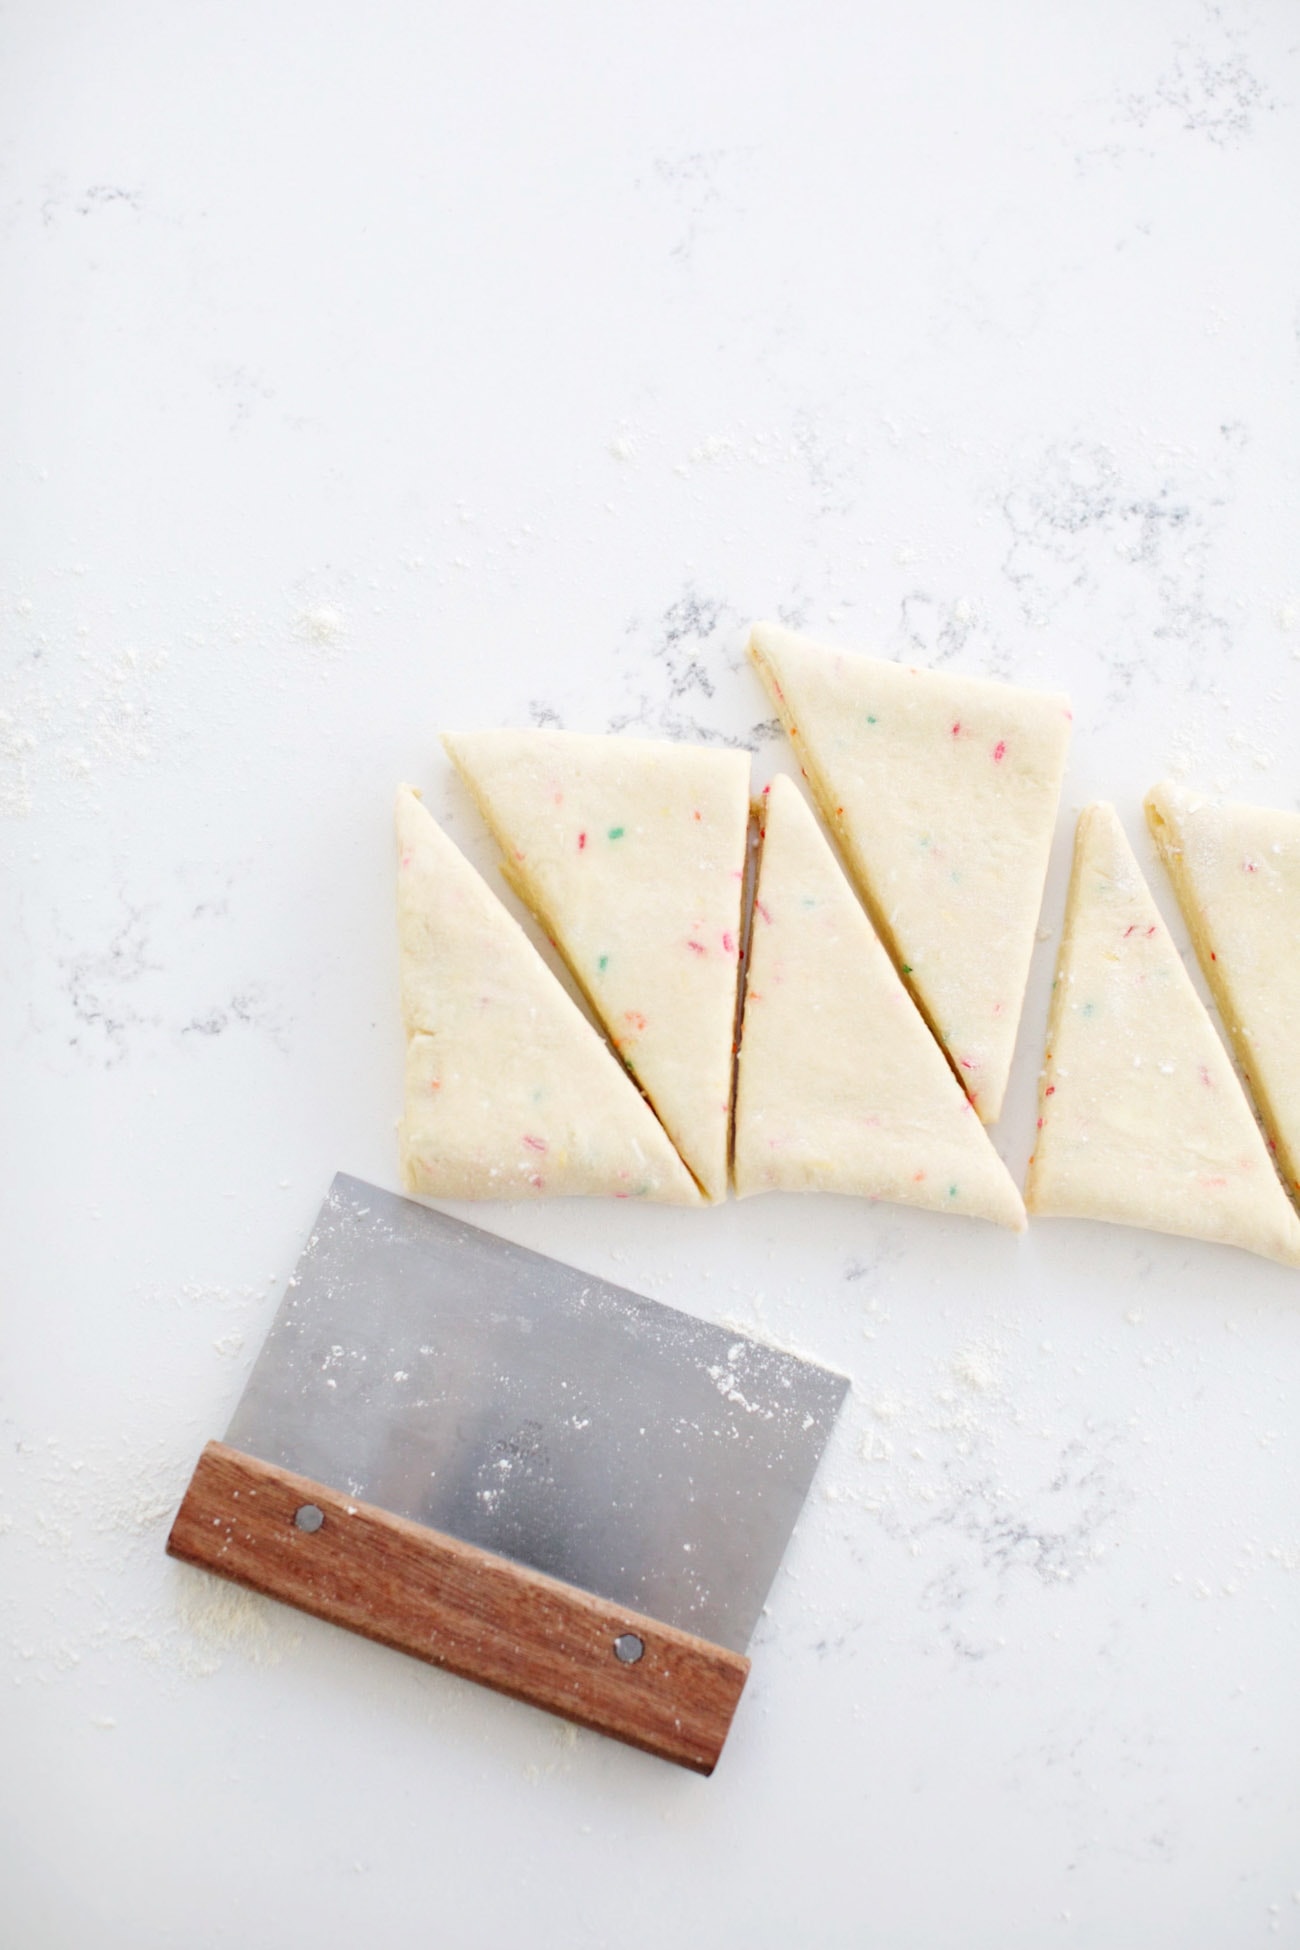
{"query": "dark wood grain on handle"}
{"type": "Point", "coordinates": [460, 1607]}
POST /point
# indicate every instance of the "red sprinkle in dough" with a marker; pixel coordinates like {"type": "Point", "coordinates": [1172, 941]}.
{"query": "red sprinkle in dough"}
{"type": "Point", "coordinates": [535, 1180]}
{"type": "Point", "coordinates": [999, 751]}
{"type": "Point", "coordinates": [582, 841]}
{"type": "Point", "coordinates": [766, 790]}
{"type": "Point", "coordinates": [956, 730]}
{"type": "Point", "coordinates": [917, 1176]}
{"type": "Point", "coordinates": [1213, 956]}
{"type": "Point", "coordinates": [406, 859]}
{"type": "Point", "coordinates": [760, 909]}
{"type": "Point", "coordinates": [535, 1144]}
{"type": "Point", "coordinates": [728, 944]}
{"type": "Point", "coordinates": [697, 947]}
{"type": "Point", "coordinates": [697, 815]}
{"type": "Point", "coordinates": [1150, 932]}
{"type": "Point", "coordinates": [966, 1063]}
{"type": "Point", "coordinates": [1251, 866]}
{"type": "Point", "coordinates": [1205, 1077]}
{"type": "Point", "coordinates": [1050, 1090]}
{"type": "Point", "coordinates": [435, 1083]}
{"type": "Point", "coordinates": [637, 1021]}
{"type": "Point", "coordinates": [1040, 1123]}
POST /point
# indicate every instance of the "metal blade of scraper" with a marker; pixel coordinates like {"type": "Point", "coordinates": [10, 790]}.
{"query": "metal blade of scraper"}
{"type": "Point", "coordinates": [576, 1494]}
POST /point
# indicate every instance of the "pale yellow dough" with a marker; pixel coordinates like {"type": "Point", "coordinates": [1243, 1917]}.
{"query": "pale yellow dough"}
{"type": "Point", "coordinates": [841, 1086]}
{"type": "Point", "coordinates": [942, 792]}
{"type": "Point", "coordinates": [1141, 1118]}
{"type": "Point", "coordinates": [631, 852]}
{"type": "Point", "coordinates": [1236, 872]}
{"type": "Point", "coordinates": [510, 1092]}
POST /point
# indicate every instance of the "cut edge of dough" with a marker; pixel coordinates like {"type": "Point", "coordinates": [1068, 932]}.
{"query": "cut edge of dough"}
{"type": "Point", "coordinates": [1012, 1215]}
{"type": "Point", "coordinates": [825, 802]}
{"type": "Point", "coordinates": [1166, 806]}
{"type": "Point", "coordinates": [514, 881]}
{"type": "Point", "coordinates": [406, 799]}
{"type": "Point", "coordinates": [1039, 1206]}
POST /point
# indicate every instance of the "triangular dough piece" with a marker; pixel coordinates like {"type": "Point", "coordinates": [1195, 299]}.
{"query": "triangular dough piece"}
{"type": "Point", "coordinates": [1236, 872]}
{"type": "Point", "coordinates": [509, 1090]}
{"type": "Point", "coordinates": [1141, 1117]}
{"type": "Point", "coordinates": [631, 853]}
{"type": "Point", "coordinates": [942, 792]}
{"type": "Point", "coordinates": [842, 1088]}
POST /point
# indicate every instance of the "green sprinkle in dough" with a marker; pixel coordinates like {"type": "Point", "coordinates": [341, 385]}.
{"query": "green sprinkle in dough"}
{"type": "Point", "coordinates": [602, 963]}
{"type": "Point", "coordinates": [806, 900]}
{"type": "Point", "coordinates": [870, 719]}
{"type": "Point", "coordinates": [1087, 1009]}
{"type": "Point", "coordinates": [907, 968]}
{"type": "Point", "coordinates": [616, 832]}
{"type": "Point", "coordinates": [952, 1191]}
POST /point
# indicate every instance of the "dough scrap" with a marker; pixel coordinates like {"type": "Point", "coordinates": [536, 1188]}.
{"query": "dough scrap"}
{"type": "Point", "coordinates": [1141, 1118]}
{"type": "Point", "coordinates": [942, 792]}
{"type": "Point", "coordinates": [1236, 872]}
{"type": "Point", "coordinates": [841, 1086]}
{"type": "Point", "coordinates": [631, 852]}
{"type": "Point", "coordinates": [510, 1092]}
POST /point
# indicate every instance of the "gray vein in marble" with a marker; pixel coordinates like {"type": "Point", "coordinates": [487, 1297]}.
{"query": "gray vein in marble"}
{"type": "Point", "coordinates": [673, 652]}
{"type": "Point", "coordinates": [695, 182]}
{"type": "Point", "coordinates": [110, 992]}
{"type": "Point", "coordinates": [1077, 515]}
{"type": "Point", "coordinates": [1209, 88]}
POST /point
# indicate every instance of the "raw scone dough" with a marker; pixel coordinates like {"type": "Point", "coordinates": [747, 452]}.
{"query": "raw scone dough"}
{"type": "Point", "coordinates": [509, 1090]}
{"type": "Point", "coordinates": [1141, 1117]}
{"type": "Point", "coordinates": [1236, 872]}
{"type": "Point", "coordinates": [841, 1086]}
{"type": "Point", "coordinates": [632, 854]}
{"type": "Point", "coordinates": [942, 792]}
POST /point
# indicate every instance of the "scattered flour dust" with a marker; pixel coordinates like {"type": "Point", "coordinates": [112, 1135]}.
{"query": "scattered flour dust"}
{"type": "Point", "coordinates": [320, 624]}
{"type": "Point", "coordinates": [69, 711]}
{"type": "Point", "coordinates": [976, 1368]}
{"type": "Point", "coordinates": [220, 1618]}
{"type": "Point", "coordinates": [84, 1578]}
{"type": "Point", "coordinates": [98, 1519]}
{"type": "Point", "coordinates": [564, 1741]}
{"type": "Point", "coordinates": [83, 703]}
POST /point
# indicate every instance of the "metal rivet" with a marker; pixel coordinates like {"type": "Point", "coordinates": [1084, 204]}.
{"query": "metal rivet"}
{"type": "Point", "coordinates": [628, 1647]}
{"type": "Point", "coordinates": [308, 1516]}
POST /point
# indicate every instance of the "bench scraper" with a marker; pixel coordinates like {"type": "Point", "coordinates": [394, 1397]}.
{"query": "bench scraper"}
{"type": "Point", "coordinates": [517, 1471]}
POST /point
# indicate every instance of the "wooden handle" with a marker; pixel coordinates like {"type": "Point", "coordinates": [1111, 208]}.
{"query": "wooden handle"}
{"type": "Point", "coordinates": [460, 1607]}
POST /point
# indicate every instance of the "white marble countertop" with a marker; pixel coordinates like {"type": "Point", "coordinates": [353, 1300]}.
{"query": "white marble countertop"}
{"type": "Point", "coordinates": [370, 369]}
